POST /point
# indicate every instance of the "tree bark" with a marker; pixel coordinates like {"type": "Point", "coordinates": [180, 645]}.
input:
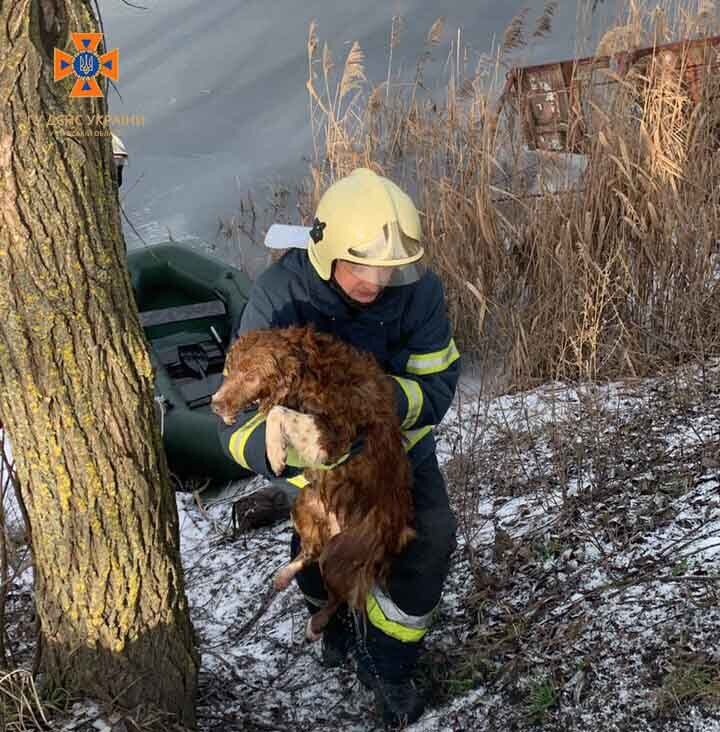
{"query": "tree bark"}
{"type": "Point", "coordinates": [76, 392]}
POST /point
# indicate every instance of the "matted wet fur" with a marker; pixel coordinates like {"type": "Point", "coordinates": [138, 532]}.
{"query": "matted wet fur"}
{"type": "Point", "coordinates": [354, 518]}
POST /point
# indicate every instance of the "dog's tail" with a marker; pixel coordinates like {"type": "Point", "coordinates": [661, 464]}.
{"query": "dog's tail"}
{"type": "Point", "coordinates": [353, 560]}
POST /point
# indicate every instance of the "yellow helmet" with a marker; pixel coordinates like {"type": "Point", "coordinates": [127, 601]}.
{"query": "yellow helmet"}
{"type": "Point", "coordinates": [366, 219]}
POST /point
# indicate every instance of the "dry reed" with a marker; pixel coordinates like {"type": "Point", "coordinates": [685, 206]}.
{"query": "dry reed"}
{"type": "Point", "coordinates": [617, 274]}
{"type": "Point", "coordinates": [20, 706]}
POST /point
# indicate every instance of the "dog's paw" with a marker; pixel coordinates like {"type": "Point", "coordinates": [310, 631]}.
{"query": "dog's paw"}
{"type": "Point", "coordinates": [311, 453]}
{"type": "Point", "coordinates": [277, 454]}
{"type": "Point", "coordinates": [310, 634]}
{"type": "Point", "coordinates": [275, 441]}
{"type": "Point", "coordinates": [306, 436]}
{"type": "Point", "coordinates": [282, 578]}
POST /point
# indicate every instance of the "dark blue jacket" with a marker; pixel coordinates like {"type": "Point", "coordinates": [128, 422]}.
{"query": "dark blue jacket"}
{"type": "Point", "coordinates": [406, 329]}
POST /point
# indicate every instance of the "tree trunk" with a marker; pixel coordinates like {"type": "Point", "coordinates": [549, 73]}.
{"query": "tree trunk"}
{"type": "Point", "coordinates": [76, 392]}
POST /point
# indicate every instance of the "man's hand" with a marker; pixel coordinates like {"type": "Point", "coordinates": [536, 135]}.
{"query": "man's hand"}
{"type": "Point", "coordinates": [292, 438]}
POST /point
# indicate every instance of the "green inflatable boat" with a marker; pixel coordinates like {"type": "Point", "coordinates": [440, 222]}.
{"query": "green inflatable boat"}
{"type": "Point", "coordinates": [188, 303]}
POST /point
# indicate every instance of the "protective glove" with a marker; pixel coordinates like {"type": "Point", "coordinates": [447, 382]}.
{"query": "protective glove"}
{"type": "Point", "coordinates": [293, 438]}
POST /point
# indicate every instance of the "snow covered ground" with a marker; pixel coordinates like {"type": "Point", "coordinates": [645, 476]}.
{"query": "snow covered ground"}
{"type": "Point", "coordinates": [584, 594]}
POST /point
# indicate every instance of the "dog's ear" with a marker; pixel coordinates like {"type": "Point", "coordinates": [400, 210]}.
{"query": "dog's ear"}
{"type": "Point", "coordinates": [286, 375]}
{"type": "Point", "coordinates": [240, 346]}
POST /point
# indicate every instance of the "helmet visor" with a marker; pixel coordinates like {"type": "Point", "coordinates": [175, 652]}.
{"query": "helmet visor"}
{"type": "Point", "coordinates": [390, 246]}
{"type": "Point", "coordinates": [386, 276]}
{"type": "Point", "coordinates": [389, 260]}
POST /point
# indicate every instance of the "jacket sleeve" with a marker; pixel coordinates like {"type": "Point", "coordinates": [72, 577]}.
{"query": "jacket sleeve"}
{"type": "Point", "coordinates": [427, 368]}
{"type": "Point", "coordinates": [244, 440]}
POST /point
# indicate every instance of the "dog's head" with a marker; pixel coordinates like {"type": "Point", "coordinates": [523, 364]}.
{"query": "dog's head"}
{"type": "Point", "coordinates": [260, 367]}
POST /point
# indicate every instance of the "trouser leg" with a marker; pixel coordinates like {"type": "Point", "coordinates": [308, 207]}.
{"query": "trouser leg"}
{"type": "Point", "coordinates": [400, 614]}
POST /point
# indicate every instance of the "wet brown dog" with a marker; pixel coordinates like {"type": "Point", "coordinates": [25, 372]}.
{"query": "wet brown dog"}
{"type": "Point", "coordinates": [354, 518]}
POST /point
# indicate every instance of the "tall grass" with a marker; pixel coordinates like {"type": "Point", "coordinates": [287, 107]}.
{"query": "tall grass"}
{"type": "Point", "coordinates": [20, 707]}
{"type": "Point", "coordinates": [617, 274]}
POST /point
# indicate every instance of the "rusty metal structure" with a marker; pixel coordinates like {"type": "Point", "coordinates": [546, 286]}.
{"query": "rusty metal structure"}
{"type": "Point", "coordinates": [559, 104]}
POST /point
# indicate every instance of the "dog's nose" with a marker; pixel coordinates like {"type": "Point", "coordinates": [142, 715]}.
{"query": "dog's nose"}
{"type": "Point", "coordinates": [219, 408]}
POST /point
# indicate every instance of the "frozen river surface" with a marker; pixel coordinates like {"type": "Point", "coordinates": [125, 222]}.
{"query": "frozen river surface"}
{"type": "Point", "coordinates": [221, 88]}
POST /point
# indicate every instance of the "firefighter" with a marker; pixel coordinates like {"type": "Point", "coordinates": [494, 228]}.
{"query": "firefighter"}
{"type": "Point", "coordinates": [361, 279]}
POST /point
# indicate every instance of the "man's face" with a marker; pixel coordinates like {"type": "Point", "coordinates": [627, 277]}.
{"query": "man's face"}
{"type": "Point", "coordinates": [361, 282]}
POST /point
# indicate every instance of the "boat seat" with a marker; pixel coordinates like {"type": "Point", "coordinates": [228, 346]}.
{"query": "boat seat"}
{"type": "Point", "coordinates": [180, 313]}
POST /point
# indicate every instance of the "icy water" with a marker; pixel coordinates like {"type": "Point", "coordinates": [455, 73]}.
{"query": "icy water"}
{"type": "Point", "coordinates": [221, 88]}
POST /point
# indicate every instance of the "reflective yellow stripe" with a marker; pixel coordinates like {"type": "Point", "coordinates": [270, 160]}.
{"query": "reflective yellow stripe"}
{"type": "Point", "coordinates": [423, 364]}
{"type": "Point", "coordinates": [299, 481]}
{"type": "Point", "coordinates": [412, 437]}
{"type": "Point", "coordinates": [414, 396]}
{"type": "Point", "coordinates": [241, 436]}
{"type": "Point", "coordinates": [395, 630]}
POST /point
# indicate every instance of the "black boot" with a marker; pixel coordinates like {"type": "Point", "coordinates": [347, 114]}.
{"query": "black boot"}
{"type": "Point", "coordinates": [338, 638]}
{"type": "Point", "coordinates": [385, 666]}
{"type": "Point", "coordinates": [398, 703]}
